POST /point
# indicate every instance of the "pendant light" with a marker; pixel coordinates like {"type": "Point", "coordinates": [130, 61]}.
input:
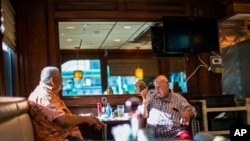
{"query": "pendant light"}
{"type": "Point", "coordinates": [78, 74]}
{"type": "Point", "coordinates": [138, 70]}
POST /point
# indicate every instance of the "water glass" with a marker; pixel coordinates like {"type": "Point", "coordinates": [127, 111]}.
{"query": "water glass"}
{"type": "Point", "coordinates": [120, 110]}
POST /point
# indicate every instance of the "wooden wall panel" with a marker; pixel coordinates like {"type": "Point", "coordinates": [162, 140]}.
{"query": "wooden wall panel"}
{"type": "Point", "coordinates": [121, 10]}
{"type": "Point", "coordinates": [171, 7]}
{"type": "Point", "coordinates": [229, 8]}
{"type": "Point", "coordinates": [127, 67]}
{"type": "Point", "coordinates": [203, 82]}
{"type": "Point", "coordinates": [32, 43]}
{"type": "Point", "coordinates": [87, 5]}
{"type": "Point", "coordinates": [37, 41]}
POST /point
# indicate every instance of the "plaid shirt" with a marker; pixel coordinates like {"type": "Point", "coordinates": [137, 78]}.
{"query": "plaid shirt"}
{"type": "Point", "coordinates": [165, 115]}
{"type": "Point", "coordinates": [45, 107]}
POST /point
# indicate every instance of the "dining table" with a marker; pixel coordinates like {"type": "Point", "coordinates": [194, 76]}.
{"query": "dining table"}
{"type": "Point", "coordinates": [105, 134]}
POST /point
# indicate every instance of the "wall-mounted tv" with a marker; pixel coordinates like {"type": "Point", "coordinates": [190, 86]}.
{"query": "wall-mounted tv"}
{"type": "Point", "coordinates": [157, 42]}
{"type": "Point", "coordinates": [190, 34]}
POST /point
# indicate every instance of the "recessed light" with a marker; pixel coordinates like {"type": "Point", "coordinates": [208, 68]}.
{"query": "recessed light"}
{"type": "Point", "coordinates": [127, 27]}
{"type": "Point", "coordinates": [70, 27]}
{"type": "Point", "coordinates": [69, 40]}
{"type": "Point", "coordinates": [117, 40]}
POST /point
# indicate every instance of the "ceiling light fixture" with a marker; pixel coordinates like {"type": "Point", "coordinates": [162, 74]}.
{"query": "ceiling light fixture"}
{"type": "Point", "coordinates": [117, 40]}
{"type": "Point", "coordinates": [69, 40]}
{"type": "Point", "coordinates": [70, 27]}
{"type": "Point", "coordinates": [127, 27]}
{"type": "Point", "coordinates": [78, 74]}
{"type": "Point", "coordinates": [138, 70]}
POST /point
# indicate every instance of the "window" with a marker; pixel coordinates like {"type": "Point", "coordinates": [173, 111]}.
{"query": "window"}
{"type": "Point", "coordinates": [126, 84]}
{"type": "Point", "coordinates": [8, 45]}
{"type": "Point", "coordinates": [90, 84]}
{"type": "Point", "coordinates": [177, 82]}
{"type": "Point", "coordinates": [7, 61]}
{"type": "Point", "coordinates": [122, 84]}
{"type": "Point", "coordinates": [120, 80]}
{"type": "Point", "coordinates": [121, 74]}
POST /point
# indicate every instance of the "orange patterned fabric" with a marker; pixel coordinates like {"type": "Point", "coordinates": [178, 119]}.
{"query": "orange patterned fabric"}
{"type": "Point", "coordinates": [45, 107]}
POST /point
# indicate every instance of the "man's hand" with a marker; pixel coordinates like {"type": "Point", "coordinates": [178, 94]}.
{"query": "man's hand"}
{"type": "Point", "coordinates": [92, 120]}
{"type": "Point", "coordinates": [185, 117]}
{"type": "Point", "coordinates": [145, 98]}
{"type": "Point", "coordinates": [145, 93]}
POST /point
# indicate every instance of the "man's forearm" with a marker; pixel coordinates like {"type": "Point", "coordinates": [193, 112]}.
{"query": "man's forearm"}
{"type": "Point", "coordinates": [71, 120]}
{"type": "Point", "coordinates": [144, 109]}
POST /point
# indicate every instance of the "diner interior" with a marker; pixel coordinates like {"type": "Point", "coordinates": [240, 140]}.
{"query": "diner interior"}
{"type": "Point", "coordinates": [104, 47]}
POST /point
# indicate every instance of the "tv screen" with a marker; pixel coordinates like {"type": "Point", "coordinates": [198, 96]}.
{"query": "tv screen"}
{"type": "Point", "coordinates": [190, 34]}
{"type": "Point", "coordinates": [157, 42]}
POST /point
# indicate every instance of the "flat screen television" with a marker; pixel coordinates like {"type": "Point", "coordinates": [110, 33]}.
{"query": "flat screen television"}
{"type": "Point", "coordinates": [190, 34]}
{"type": "Point", "coordinates": [157, 43]}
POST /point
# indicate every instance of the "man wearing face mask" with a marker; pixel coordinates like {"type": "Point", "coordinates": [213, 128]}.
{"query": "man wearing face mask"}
{"type": "Point", "coordinates": [51, 118]}
{"type": "Point", "coordinates": [167, 112]}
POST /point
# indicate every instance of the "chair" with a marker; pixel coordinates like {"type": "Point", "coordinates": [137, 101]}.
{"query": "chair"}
{"type": "Point", "coordinates": [194, 126]}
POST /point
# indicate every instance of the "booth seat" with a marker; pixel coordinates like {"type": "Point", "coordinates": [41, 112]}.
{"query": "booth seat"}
{"type": "Point", "coordinates": [15, 122]}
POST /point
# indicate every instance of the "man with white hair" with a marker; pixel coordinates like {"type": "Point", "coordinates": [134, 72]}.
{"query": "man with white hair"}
{"type": "Point", "coordinates": [167, 112]}
{"type": "Point", "coordinates": [52, 120]}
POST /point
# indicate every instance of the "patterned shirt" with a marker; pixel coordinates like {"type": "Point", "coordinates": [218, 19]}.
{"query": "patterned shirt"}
{"type": "Point", "coordinates": [45, 107]}
{"type": "Point", "coordinates": [165, 115]}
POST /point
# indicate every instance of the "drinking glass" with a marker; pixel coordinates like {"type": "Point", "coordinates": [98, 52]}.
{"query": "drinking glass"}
{"type": "Point", "coordinates": [120, 110]}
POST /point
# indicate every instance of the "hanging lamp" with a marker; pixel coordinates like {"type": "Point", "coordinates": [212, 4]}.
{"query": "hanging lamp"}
{"type": "Point", "coordinates": [78, 74]}
{"type": "Point", "coordinates": [138, 70]}
{"type": "Point", "coordinates": [139, 73]}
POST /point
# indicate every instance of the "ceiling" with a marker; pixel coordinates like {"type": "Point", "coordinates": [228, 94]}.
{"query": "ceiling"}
{"type": "Point", "coordinates": [105, 35]}
{"type": "Point", "coordinates": [131, 35]}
